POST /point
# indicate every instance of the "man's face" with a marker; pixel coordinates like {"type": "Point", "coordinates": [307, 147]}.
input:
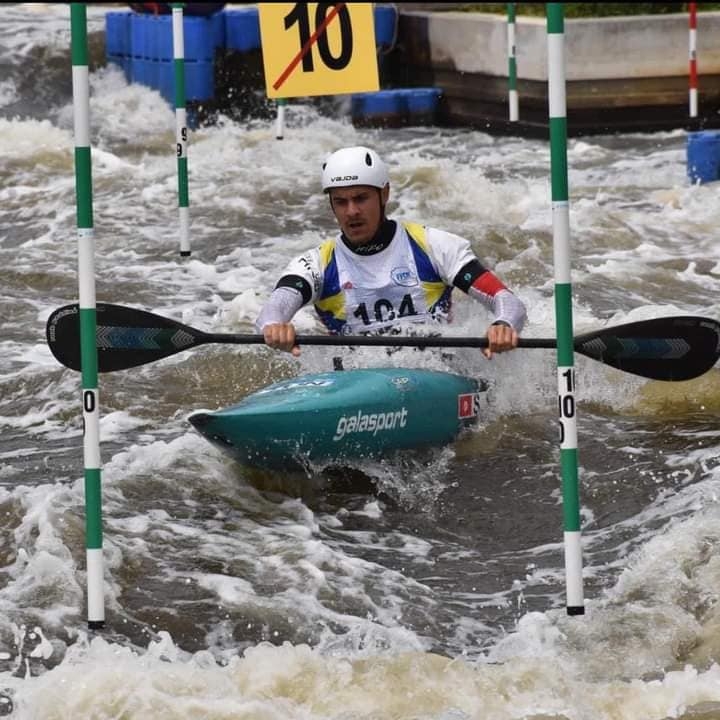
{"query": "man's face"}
{"type": "Point", "coordinates": [359, 211]}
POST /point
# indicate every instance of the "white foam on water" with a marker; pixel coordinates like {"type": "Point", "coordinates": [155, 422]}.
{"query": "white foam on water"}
{"type": "Point", "coordinates": [100, 679]}
{"type": "Point", "coordinates": [364, 603]}
{"type": "Point", "coordinates": [30, 139]}
{"type": "Point", "coordinates": [8, 92]}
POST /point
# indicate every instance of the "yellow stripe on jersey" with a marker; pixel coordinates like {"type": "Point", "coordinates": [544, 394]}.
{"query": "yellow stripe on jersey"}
{"type": "Point", "coordinates": [331, 308]}
{"type": "Point", "coordinates": [433, 287]}
{"type": "Point", "coordinates": [326, 250]}
{"type": "Point", "coordinates": [333, 305]}
{"type": "Point", "coordinates": [433, 292]}
{"type": "Point", "coordinates": [418, 234]}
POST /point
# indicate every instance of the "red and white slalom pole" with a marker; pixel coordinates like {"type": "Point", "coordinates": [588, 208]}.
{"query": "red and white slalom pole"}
{"type": "Point", "coordinates": [693, 60]}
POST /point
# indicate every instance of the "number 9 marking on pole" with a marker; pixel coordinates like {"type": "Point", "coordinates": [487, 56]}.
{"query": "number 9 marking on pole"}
{"type": "Point", "coordinates": [180, 146]}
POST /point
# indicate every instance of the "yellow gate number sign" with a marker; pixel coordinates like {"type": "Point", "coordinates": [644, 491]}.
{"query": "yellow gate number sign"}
{"type": "Point", "coordinates": [318, 48]}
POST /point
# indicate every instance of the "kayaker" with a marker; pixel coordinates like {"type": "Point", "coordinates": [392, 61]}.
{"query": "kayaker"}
{"type": "Point", "coordinates": [378, 274]}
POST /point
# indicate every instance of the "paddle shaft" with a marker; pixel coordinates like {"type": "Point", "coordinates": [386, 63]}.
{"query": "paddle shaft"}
{"type": "Point", "coordinates": [670, 348]}
{"type": "Point", "coordinates": [373, 340]}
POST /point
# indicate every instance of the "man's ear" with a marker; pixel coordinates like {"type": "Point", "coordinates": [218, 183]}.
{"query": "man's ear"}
{"type": "Point", "coordinates": [385, 194]}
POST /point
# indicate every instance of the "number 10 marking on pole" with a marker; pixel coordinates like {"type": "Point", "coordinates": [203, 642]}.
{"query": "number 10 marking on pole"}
{"type": "Point", "coordinates": [318, 48]}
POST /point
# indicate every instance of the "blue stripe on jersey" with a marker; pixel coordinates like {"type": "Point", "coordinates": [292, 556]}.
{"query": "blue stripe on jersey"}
{"type": "Point", "coordinates": [425, 269]}
{"type": "Point", "coordinates": [441, 308]}
{"type": "Point", "coordinates": [330, 306]}
{"type": "Point", "coordinates": [331, 281]}
{"type": "Point", "coordinates": [427, 274]}
{"type": "Point", "coordinates": [333, 324]}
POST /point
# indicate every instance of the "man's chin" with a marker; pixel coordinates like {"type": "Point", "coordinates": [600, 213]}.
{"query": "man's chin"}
{"type": "Point", "coordinates": [358, 237]}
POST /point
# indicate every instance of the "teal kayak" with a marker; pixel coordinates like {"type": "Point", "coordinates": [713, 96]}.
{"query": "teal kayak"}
{"type": "Point", "coordinates": [343, 416]}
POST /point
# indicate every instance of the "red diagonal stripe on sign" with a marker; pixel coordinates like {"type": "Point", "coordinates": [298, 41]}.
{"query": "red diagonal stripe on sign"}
{"type": "Point", "coordinates": [306, 47]}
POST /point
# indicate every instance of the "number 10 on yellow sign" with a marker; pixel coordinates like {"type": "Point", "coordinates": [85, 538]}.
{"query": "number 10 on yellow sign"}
{"type": "Point", "coordinates": [318, 48]}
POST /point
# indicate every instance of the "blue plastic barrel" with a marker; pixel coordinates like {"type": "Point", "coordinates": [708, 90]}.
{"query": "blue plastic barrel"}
{"type": "Point", "coordinates": [166, 76]}
{"type": "Point", "coordinates": [138, 73]}
{"type": "Point", "coordinates": [201, 8]}
{"type": "Point", "coordinates": [201, 35]}
{"type": "Point", "coordinates": [199, 80]}
{"type": "Point", "coordinates": [385, 17]}
{"type": "Point", "coordinates": [145, 71]}
{"type": "Point", "coordinates": [242, 29]}
{"type": "Point", "coordinates": [385, 107]}
{"type": "Point", "coordinates": [117, 40]}
{"type": "Point", "coordinates": [383, 102]}
{"type": "Point", "coordinates": [703, 156]}
{"type": "Point", "coordinates": [117, 34]}
{"type": "Point", "coordinates": [357, 105]}
{"type": "Point", "coordinates": [124, 62]}
{"type": "Point", "coordinates": [153, 36]}
{"type": "Point", "coordinates": [422, 102]}
{"type": "Point", "coordinates": [164, 43]}
{"type": "Point", "coordinates": [140, 40]}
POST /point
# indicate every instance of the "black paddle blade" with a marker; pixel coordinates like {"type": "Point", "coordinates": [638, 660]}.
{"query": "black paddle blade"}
{"type": "Point", "coordinates": [126, 337]}
{"type": "Point", "coordinates": [667, 348]}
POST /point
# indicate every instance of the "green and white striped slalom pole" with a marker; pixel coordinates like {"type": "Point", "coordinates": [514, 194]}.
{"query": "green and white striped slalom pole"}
{"type": "Point", "coordinates": [512, 64]}
{"type": "Point", "coordinates": [181, 132]}
{"type": "Point", "coordinates": [563, 307]}
{"type": "Point", "coordinates": [280, 121]}
{"type": "Point", "coordinates": [88, 319]}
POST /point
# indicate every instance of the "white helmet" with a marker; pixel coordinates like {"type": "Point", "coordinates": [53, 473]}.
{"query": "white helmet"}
{"type": "Point", "coordinates": [354, 166]}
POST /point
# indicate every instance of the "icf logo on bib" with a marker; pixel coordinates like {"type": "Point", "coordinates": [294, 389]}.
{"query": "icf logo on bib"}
{"type": "Point", "coordinates": [403, 276]}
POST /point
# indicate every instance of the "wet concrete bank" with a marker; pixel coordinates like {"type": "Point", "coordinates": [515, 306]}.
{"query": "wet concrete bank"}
{"type": "Point", "coordinates": [622, 73]}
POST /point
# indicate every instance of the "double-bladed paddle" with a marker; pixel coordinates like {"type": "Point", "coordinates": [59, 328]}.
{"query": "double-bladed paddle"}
{"type": "Point", "coordinates": [667, 348]}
